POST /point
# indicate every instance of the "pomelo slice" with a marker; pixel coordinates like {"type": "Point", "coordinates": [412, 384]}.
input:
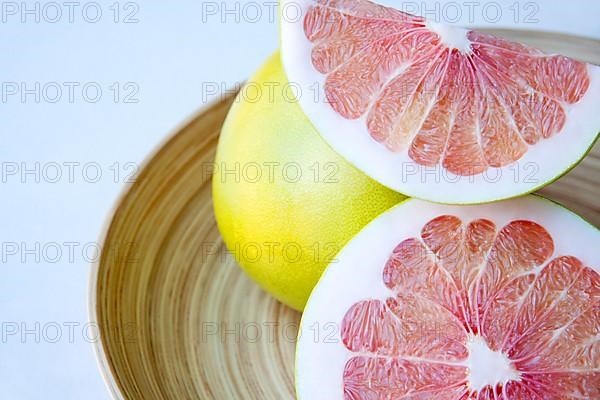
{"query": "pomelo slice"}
{"type": "Point", "coordinates": [433, 111]}
{"type": "Point", "coordinates": [431, 301]}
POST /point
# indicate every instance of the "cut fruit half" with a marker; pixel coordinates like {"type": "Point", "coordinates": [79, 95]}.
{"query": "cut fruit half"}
{"type": "Point", "coordinates": [433, 111]}
{"type": "Point", "coordinates": [497, 301]}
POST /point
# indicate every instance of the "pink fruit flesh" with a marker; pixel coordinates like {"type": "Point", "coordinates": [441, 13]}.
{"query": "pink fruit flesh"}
{"type": "Point", "coordinates": [462, 280]}
{"type": "Point", "coordinates": [468, 109]}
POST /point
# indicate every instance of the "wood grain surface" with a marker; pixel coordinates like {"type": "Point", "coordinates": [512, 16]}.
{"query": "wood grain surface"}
{"type": "Point", "coordinates": [178, 319]}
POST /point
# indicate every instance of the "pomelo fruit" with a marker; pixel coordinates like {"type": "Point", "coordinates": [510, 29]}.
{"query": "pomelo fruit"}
{"type": "Point", "coordinates": [431, 301]}
{"type": "Point", "coordinates": [437, 112]}
{"type": "Point", "coordinates": [284, 201]}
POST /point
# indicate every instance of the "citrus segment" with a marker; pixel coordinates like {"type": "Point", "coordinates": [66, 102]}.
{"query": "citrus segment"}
{"type": "Point", "coordinates": [411, 270]}
{"type": "Point", "coordinates": [394, 329]}
{"type": "Point", "coordinates": [377, 66]}
{"type": "Point", "coordinates": [400, 91]}
{"type": "Point", "coordinates": [381, 378]}
{"type": "Point", "coordinates": [460, 251]}
{"type": "Point", "coordinates": [483, 302]}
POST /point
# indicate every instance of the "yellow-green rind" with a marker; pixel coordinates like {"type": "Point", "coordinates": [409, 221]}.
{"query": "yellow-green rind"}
{"type": "Point", "coordinates": [300, 328]}
{"type": "Point", "coordinates": [317, 214]}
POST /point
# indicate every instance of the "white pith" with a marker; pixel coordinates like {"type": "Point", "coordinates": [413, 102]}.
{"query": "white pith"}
{"type": "Point", "coordinates": [487, 367]}
{"type": "Point", "coordinates": [452, 37]}
{"type": "Point", "coordinates": [358, 275]}
{"type": "Point", "coordinates": [542, 163]}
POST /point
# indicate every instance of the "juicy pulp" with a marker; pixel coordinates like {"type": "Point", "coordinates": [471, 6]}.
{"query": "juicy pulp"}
{"type": "Point", "coordinates": [486, 120]}
{"type": "Point", "coordinates": [496, 301]}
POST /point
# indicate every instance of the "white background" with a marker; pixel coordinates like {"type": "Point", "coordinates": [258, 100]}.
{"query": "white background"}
{"type": "Point", "coordinates": [171, 55]}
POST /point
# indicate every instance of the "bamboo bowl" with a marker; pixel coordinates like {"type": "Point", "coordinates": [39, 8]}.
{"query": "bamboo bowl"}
{"type": "Point", "coordinates": [179, 322]}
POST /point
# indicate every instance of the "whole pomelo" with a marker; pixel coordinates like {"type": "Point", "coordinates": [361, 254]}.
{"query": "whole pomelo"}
{"type": "Point", "coordinates": [285, 202]}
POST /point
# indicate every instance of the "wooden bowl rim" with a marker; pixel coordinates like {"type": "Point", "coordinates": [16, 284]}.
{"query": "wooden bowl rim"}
{"type": "Point", "coordinates": [102, 362]}
{"type": "Point", "coordinates": [106, 370]}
